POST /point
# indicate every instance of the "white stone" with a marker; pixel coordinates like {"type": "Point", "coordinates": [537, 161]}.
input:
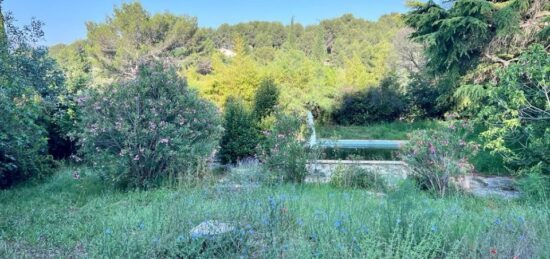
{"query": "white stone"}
{"type": "Point", "coordinates": [211, 228]}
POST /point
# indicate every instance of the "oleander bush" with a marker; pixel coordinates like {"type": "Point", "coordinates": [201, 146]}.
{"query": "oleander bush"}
{"type": "Point", "coordinates": [284, 150]}
{"type": "Point", "coordinates": [139, 132]}
{"type": "Point", "coordinates": [434, 156]}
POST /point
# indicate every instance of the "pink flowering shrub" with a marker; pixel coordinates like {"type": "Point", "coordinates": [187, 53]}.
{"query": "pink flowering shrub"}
{"type": "Point", "coordinates": [434, 156]}
{"type": "Point", "coordinates": [284, 151]}
{"type": "Point", "coordinates": [139, 132]}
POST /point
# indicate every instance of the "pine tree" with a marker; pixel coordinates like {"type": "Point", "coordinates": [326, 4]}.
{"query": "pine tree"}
{"type": "Point", "coordinates": [267, 97]}
{"type": "Point", "coordinates": [240, 136]}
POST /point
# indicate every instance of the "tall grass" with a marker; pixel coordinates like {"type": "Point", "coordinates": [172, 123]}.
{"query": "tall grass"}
{"type": "Point", "coordinates": [81, 218]}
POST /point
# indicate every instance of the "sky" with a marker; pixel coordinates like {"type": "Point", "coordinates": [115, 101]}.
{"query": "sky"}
{"type": "Point", "coordinates": [65, 19]}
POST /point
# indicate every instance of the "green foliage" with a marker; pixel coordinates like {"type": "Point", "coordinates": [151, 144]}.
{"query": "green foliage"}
{"type": "Point", "coordinates": [241, 134]}
{"type": "Point", "coordinates": [30, 85]}
{"type": "Point", "coordinates": [132, 37]}
{"type": "Point", "coordinates": [23, 142]}
{"type": "Point", "coordinates": [455, 37]}
{"type": "Point", "coordinates": [159, 130]}
{"type": "Point", "coordinates": [535, 186]}
{"type": "Point", "coordinates": [375, 104]}
{"type": "Point", "coordinates": [516, 110]}
{"type": "Point", "coordinates": [284, 152]}
{"type": "Point", "coordinates": [356, 177]}
{"type": "Point", "coordinates": [237, 77]}
{"type": "Point", "coordinates": [427, 97]}
{"type": "Point", "coordinates": [435, 156]}
{"type": "Point", "coordinates": [266, 99]}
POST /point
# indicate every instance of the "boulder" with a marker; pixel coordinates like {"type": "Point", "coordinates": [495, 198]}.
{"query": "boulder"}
{"type": "Point", "coordinates": [482, 186]}
{"type": "Point", "coordinates": [211, 229]}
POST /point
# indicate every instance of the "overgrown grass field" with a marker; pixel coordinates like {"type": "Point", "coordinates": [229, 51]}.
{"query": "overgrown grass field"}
{"type": "Point", "coordinates": [82, 218]}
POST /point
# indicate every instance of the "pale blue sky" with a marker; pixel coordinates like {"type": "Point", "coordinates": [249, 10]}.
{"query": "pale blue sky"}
{"type": "Point", "coordinates": [65, 18]}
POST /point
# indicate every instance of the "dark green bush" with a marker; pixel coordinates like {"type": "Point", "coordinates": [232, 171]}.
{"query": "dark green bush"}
{"type": "Point", "coordinates": [376, 104]}
{"type": "Point", "coordinates": [139, 132]}
{"type": "Point", "coordinates": [266, 99]}
{"type": "Point", "coordinates": [425, 97]}
{"type": "Point", "coordinates": [29, 88]}
{"type": "Point", "coordinates": [240, 137]}
{"type": "Point", "coordinates": [23, 142]}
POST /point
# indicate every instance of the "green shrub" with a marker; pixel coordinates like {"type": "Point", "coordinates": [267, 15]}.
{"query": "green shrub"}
{"type": "Point", "coordinates": [426, 96]}
{"type": "Point", "coordinates": [29, 90]}
{"type": "Point", "coordinates": [376, 104]}
{"type": "Point", "coordinates": [356, 177]}
{"type": "Point", "coordinates": [535, 186]}
{"type": "Point", "coordinates": [23, 142]}
{"type": "Point", "coordinates": [266, 99]}
{"type": "Point", "coordinates": [515, 111]}
{"type": "Point", "coordinates": [285, 151]}
{"type": "Point", "coordinates": [434, 156]}
{"type": "Point", "coordinates": [240, 137]}
{"type": "Point", "coordinates": [139, 132]}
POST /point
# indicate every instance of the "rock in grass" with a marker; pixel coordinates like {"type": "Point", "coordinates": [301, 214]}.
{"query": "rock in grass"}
{"type": "Point", "coordinates": [211, 229]}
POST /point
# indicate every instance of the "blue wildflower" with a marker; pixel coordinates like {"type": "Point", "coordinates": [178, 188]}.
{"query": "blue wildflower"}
{"type": "Point", "coordinates": [363, 230]}
{"type": "Point", "coordinates": [180, 238]}
{"type": "Point", "coordinates": [285, 247]}
{"type": "Point", "coordinates": [108, 231]}
{"type": "Point", "coordinates": [156, 240]}
{"type": "Point", "coordinates": [521, 219]}
{"type": "Point", "coordinates": [313, 237]}
{"type": "Point", "coordinates": [398, 221]}
{"type": "Point", "coordinates": [272, 202]}
{"type": "Point", "coordinates": [337, 224]}
{"type": "Point", "coordinates": [497, 221]}
{"type": "Point", "coordinates": [300, 222]}
{"type": "Point", "coordinates": [265, 221]}
{"type": "Point", "coordinates": [141, 226]}
{"type": "Point", "coordinates": [434, 228]}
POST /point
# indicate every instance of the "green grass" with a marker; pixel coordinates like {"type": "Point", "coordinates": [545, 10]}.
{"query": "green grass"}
{"type": "Point", "coordinates": [390, 130]}
{"type": "Point", "coordinates": [65, 217]}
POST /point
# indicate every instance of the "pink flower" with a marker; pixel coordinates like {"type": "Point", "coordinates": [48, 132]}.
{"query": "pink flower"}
{"type": "Point", "coordinates": [432, 149]}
